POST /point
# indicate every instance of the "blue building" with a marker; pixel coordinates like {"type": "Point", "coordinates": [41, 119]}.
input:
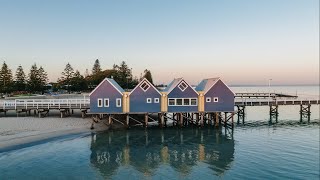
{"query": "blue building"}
{"type": "Point", "coordinates": [218, 97]}
{"type": "Point", "coordinates": [181, 96]}
{"type": "Point", "coordinates": [145, 98]}
{"type": "Point", "coordinates": [106, 97]}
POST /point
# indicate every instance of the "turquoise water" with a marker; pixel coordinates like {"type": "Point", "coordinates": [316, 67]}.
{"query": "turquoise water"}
{"type": "Point", "coordinates": [286, 151]}
{"type": "Point", "coordinates": [255, 149]}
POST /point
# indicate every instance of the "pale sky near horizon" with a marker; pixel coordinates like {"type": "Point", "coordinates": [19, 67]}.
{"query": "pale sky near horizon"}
{"type": "Point", "coordinates": [241, 41]}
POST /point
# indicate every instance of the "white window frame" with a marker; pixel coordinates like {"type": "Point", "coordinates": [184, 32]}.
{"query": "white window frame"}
{"type": "Point", "coordinates": [175, 101]}
{"type": "Point", "coordinates": [186, 99]}
{"type": "Point", "coordinates": [186, 86]}
{"type": "Point", "coordinates": [104, 102]}
{"type": "Point", "coordinates": [208, 99]}
{"type": "Point", "coordinates": [156, 100]}
{"type": "Point", "coordinates": [149, 100]}
{"type": "Point", "coordinates": [181, 101]}
{"type": "Point", "coordinates": [117, 102]}
{"type": "Point", "coordinates": [101, 102]}
{"type": "Point", "coordinates": [215, 99]}
{"type": "Point", "coordinates": [147, 84]}
{"type": "Point", "coordinates": [196, 101]}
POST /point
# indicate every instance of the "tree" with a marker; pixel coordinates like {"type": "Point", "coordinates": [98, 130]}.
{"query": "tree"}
{"type": "Point", "coordinates": [123, 75]}
{"type": "Point", "coordinates": [43, 79]}
{"type": "Point", "coordinates": [78, 82]}
{"type": "Point", "coordinates": [34, 83]}
{"type": "Point", "coordinates": [5, 79]}
{"type": "Point", "coordinates": [20, 80]}
{"type": "Point", "coordinates": [96, 67]}
{"type": "Point", "coordinates": [148, 76]}
{"type": "Point", "coordinates": [37, 79]}
{"type": "Point", "coordinates": [67, 75]}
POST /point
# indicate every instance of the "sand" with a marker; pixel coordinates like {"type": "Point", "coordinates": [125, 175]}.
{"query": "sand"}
{"type": "Point", "coordinates": [16, 131]}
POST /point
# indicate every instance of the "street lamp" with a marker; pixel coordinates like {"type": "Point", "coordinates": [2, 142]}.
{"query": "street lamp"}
{"type": "Point", "coordinates": [269, 88]}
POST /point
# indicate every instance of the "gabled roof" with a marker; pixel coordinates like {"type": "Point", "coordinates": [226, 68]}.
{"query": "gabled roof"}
{"type": "Point", "coordinates": [206, 84]}
{"type": "Point", "coordinates": [113, 83]}
{"type": "Point", "coordinates": [145, 80]}
{"type": "Point", "coordinates": [174, 84]}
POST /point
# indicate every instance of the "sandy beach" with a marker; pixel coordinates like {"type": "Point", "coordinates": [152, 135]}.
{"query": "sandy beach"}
{"type": "Point", "coordinates": [17, 131]}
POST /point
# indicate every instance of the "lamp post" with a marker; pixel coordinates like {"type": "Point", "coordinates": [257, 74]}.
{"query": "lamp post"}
{"type": "Point", "coordinates": [269, 88]}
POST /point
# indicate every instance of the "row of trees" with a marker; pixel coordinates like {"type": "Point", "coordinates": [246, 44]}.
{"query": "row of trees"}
{"type": "Point", "coordinates": [35, 81]}
{"type": "Point", "coordinates": [70, 80]}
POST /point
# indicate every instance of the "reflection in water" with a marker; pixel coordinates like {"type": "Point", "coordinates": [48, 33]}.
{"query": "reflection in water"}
{"type": "Point", "coordinates": [146, 151]}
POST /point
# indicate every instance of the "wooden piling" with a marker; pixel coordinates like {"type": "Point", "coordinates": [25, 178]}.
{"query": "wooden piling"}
{"type": "Point", "coordinates": [127, 121]}
{"type": "Point", "coordinates": [217, 120]}
{"type": "Point", "coordinates": [146, 120]}
{"type": "Point", "coordinates": [181, 119]}
{"type": "Point", "coordinates": [110, 119]}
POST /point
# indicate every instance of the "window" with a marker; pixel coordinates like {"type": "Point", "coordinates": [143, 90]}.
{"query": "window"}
{"type": "Point", "coordinates": [172, 102]}
{"type": "Point", "coordinates": [186, 102]}
{"type": "Point", "coordinates": [144, 86]}
{"type": "Point", "coordinates": [149, 100]}
{"type": "Point", "coordinates": [156, 100]}
{"type": "Point", "coordinates": [193, 102]}
{"type": "Point", "coordinates": [183, 86]}
{"type": "Point", "coordinates": [183, 102]}
{"type": "Point", "coordinates": [208, 99]}
{"type": "Point", "coordinates": [118, 102]}
{"type": "Point", "coordinates": [179, 102]}
{"type": "Point", "coordinates": [215, 99]}
{"type": "Point", "coordinates": [100, 102]}
{"type": "Point", "coordinates": [106, 102]}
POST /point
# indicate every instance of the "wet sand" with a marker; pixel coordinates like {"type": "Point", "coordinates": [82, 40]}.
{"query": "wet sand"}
{"type": "Point", "coordinates": [18, 131]}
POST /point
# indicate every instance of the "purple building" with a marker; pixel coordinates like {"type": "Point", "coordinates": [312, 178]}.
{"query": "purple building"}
{"type": "Point", "coordinates": [145, 98]}
{"type": "Point", "coordinates": [106, 98]}
{"type": "Point", "coordinates": [181, 96]}
{"type": "Point", "coordinates": [218, 97]}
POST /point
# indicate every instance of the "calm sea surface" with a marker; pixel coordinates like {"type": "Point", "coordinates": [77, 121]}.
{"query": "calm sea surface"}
{"type": "Point", "coordinates": [256, 149]}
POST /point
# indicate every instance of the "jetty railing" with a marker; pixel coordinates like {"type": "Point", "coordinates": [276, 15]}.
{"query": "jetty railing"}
{"type": "Point", "coordinates": [45, 104]}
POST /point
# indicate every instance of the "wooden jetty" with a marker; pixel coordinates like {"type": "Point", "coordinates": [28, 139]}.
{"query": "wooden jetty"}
{"type": "Point", "coordinates": [42, 107]}
{"type": "Point", "coordinates": [264, 95]}
{"type": "Point", "coordinates": [212, 102]}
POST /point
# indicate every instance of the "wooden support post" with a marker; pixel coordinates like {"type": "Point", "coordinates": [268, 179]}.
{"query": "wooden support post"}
{"type": "Point", "coordinates": [161, 120]}
{"type": "Point", "coordinates": [305, 112]}
{"type": "Point", "coordinates": [83, 113]}
{"type": "Point", "coordinates": [110, 119]}
{"type": "Point", "coordinates": [127, 121]}
{"type": "Point", "coordinates": [201, 119]}
{"type": "Point", "coordinates": [165, 120]}
{"type": "Point", "coordinates": [232, 123]}
{"type": "Point", "coordinates": [197, 119]}
{"type": "Point", "coordinates": [225, 119]}
{"type": "Point", "coordinates": [181, 119]}
{"type": "Point", "coordinates": [146, 120]}
{"type": "Point", "coordinates": [217, 120]}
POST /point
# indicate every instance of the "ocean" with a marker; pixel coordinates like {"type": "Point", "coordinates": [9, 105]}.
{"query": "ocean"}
{"type": "Point", "coordinates": [254, 149]}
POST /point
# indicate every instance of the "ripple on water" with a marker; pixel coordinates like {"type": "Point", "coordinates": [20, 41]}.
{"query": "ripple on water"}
{"type": "Point", "coordinates": [286, 151]}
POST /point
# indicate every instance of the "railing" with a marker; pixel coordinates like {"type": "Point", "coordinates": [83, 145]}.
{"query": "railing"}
{"type": "Point", "coordinates": [45, 103]}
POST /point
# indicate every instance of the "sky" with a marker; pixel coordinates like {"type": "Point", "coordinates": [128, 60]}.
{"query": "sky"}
{"type": "Point", "coordinates": [240, 41]}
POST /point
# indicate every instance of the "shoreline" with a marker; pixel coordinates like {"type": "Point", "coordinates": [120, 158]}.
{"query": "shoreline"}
{"type": "Point", "coordinates": [17, 133]}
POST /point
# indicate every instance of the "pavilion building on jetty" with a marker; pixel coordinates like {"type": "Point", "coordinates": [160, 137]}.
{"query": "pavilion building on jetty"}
{"type": "Point", "coordinates": [212, 101]}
